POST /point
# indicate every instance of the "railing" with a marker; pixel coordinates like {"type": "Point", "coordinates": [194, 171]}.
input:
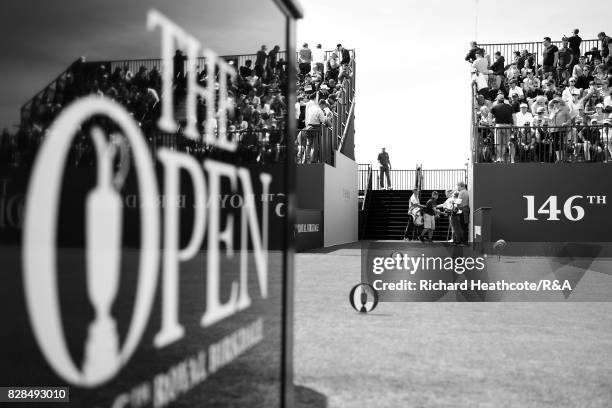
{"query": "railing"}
{"type": "Point", "coordinates": [367, 196]}
{"type": "Point", "coordinates": [317, 146]}
{"type": "Point", "coordinates": [543, 144]}
{"type": "Point", "coordinates": [364, 171]}
{"type": "Point", "coordinates": [408, 179]}
{"type": "Point", "coordinates": [535, 48]}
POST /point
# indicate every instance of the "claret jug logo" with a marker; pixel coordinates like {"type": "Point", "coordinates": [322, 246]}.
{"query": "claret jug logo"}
{"type": "Point", "coordinates": [104, 353]}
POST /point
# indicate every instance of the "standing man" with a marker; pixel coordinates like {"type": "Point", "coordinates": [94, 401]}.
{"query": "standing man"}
{"type": "Point", "coordinates": [502, 113]}
{"type": "Point", "coordinates": [318, 59]}
{"type": "Point", "coordinates": [471, 55]}
{"type": "Point", "coordinates": [260, 61]}
{"type": "Point", "coordinates": [430, 213]}
{"type": "Point", "coordinates": [574, 44]}
{"type": "Point", "coordinates": [385, 166]}
{"type": "Point", "coordinates": [605, 40]}
{"type": "Point", "coordinates": [304, 60]}
{"type": "Point", "coordinates": [550, 56]}
{"type": "Point", "coordinates": [463, 212]}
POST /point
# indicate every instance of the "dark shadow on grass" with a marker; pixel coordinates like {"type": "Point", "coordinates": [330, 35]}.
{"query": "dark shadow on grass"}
{"type": "Point", "coordinates": [308, 398]}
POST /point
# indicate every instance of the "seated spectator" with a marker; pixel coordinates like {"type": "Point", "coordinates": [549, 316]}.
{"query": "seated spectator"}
{"type": "Point", "coordinates": [480, 82]}
{"type": "Point", "coordinates": [586, 78]}
{"type": "Point", "coordinates": [571, 93]}
{"type": "Point", "coordinates": [531, 85]}
{"type": "Point", "coordinates": [578, 69]}
{"type": "Point", "coordinates": [523, 117]}
{"type": "Point", "coordinates": [514, 90]}
{"type": "Point", "coordinates": [592, 55]}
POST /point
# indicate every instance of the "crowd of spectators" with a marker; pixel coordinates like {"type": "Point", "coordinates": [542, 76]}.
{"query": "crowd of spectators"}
{"type": "Point", "coordinates": [554, 109]}
{"type": "Point", "coordinates": [256, 121]}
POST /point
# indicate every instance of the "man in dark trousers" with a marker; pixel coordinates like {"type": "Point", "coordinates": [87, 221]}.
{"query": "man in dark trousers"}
{"type": "Point", "coordinates": [430, 212]}
{"type": "Point", "coordinates": [463, 213]}
{"type": "Point", "coordinates": [502, 113]}
{"type": "Point", "coordinates": [385, 166]}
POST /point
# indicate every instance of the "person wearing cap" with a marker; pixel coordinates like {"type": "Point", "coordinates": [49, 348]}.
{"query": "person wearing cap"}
{"type": "Point", "coordinates": [415, 212]}
{"type": "Point", "coordinates": [571, 94]}
{"type": "Point", "coordinates": [599, 114]}
{"type": "Point", "coordinates": [515, 89]}
{"type": "Point", "coordinates": [540, 102]}
{"type": "Point", "coordinates": [523, 117]}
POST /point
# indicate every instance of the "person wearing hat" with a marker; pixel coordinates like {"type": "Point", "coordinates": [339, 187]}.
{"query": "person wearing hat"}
{"type": "Point", "coordinates": [571, 94]}
{"type": "Point", "coordinates": [531, 84]}
{"type": "Point", "coordinates": [523, 117]}
{"type": "Point", "coordinates": [605, 41]}
{"type": "Point", "coordinates": [599, 114]}
{"type": "Point", "coordinates": [515, 89]}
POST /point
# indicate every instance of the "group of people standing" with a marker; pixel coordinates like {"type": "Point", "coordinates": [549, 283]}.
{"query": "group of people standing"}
{"type": "Point", "coordinates": [422, 217]}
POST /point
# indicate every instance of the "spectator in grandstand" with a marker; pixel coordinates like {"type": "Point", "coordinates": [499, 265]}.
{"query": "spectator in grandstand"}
{"type": "Point", "coordinates": [385, 166]}
{"type": "Point", "coordinates": [571, 94]}
{"type": "Point", "coordinates": [601, 76]}
{"type": "Point", "coordinates": [333, 67]}
{"type": "Point", "coordinates": [558, 118]}
{"type": "Point", "coordinates": [315, 120]}
{"type": "Point", "coordinates": [481, 101]}
{"type": "Point", "coordinates": [318, 59]}
{"type": "Point", "coordinates": [512, 71]}
{"type": "Point", "coordinates": [246, 70]}
{"type": "Point", "coordinates": [479, 80]}
{"type": "Point", "coordinates": [260, 61]}
{"type": "Point", "coordinates": [481, 65]}
{"type": "Point", "coordinates": [550, 56]}
{"type": "Point", "coordinates": [514, 90]}
{"type": "Point", "coordinates": [273, 59]}
{"type": "Point", "coordinates": [523, 117]}
{"type": "Point", "coordinates": [566, 58]}
{"type": "Point", "coordinates": [578, 69]}
{"type": "Point", "coordinates": [586, 78]}
{"type": "Point", "coordinates": [463, 213]}
{"type": "Point", "coordinates": [593, 55]}
{"type": "Point", "coordinates": [607, 61]}
{"type": "Point", "coordinates": [471, 55]}
{"type": "Point", "coordinates": [502, 114]}
{"type": "Point", "coordinates": [605, 41]}
{"type": "Point", "coordinates": [574, 44]}
{"type": "Point", "coordinates": [430, 213]}
{"type": "Point", "coordinates": [344, 54]}
{"type": "Point", "coordinates": [599, 113]}
{"type": "Point", "coordinates": [179, 70]}
{"type": "Point", "coordinates": [304, 60]}
{"type": "Point", "coordinates": [531, 84]}
{"type": "Point", "coordinates": [497, 68]}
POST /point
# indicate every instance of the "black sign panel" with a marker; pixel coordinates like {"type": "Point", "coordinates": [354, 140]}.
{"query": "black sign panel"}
{"type": "Point", "coordinates": [533, 202]}
{"type": "Point", "coordinates": [146, 230]}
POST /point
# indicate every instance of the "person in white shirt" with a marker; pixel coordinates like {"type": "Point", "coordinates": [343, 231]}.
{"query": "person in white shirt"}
{"type": "Point", "coordinates": [414, 211]}
{"type": "Point", "coordinates": [315, 119]}
{"type": "Point", "coordinates": [318, 58]}
{"type": "Point", "coordinates": [514, 90]}
{"type": "Point", "coordinates": [523, 116]}
{"type": "Point", "coordinates": [571, 93]}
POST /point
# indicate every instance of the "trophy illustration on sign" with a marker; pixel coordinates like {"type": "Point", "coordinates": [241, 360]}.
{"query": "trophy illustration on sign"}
{"type": "Point", "coordinates": [104, 210]}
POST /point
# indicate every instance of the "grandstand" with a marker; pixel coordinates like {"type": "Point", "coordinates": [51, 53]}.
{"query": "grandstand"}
{"type": "Point", "coordinates": [547, 115]}
{"type": "Point", "coordinates": [257, 122]}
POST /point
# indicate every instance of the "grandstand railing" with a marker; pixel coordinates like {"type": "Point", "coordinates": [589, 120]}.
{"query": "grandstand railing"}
{"type": "Point", "coordinates": [544, 144]}
{"type": "Point", "coordinates": [408, 179]}
{"type": "Point", "coordinates": [535, 48]}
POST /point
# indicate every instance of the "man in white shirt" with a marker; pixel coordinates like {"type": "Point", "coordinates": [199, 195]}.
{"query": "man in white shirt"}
{"type": "Point", "coordinates": [523, 116]}
{"type": "Point", "coordinates": [315, 119]}
{"type": "Point", "coordinates": [318, 58]}
{"type": "Point", "coordinates": [514, 89]}
{"type": "Point", "coordinates": [414, 210]}
{"type": "Point", "coordinates": [482, 65]}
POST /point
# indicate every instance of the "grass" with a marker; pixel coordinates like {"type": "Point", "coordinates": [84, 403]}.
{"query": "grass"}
{"type": "Point", "coordinates": [518, 354]}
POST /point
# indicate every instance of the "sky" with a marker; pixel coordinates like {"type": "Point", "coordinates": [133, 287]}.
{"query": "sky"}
{"type": "Point", "coordinates": [412, 81]}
